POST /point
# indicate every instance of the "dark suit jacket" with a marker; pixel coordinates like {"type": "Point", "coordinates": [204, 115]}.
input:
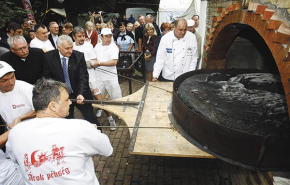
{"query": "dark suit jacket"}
{"type": "Point", "coordinates": [29, 70]}
{"type": "Point", "coordinates": [51, 40]}
{"type": "Point", "coordinates": [77, 70]}
{"type": "Point", "coordinates": [139, 33]}
{"type": "Point", "coordinates": [3, 41]}
{"type": "Point", "coordinates": [157, 29]}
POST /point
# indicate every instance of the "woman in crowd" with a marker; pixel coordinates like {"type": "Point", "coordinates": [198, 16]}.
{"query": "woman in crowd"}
{"type": "Point", "coordinates": [130, 27]}
{"type": "Point", "coordinates": [102, 25]}
{"type": "Point", "coordinates": [69, 28]}
{"type": "Point", "coordinates": [115, 31]}
{"type": "Point", "coordinates": [124, 41]}
{"type": "Point", "coordinates": [165, 28]}
{"type": "Point", "coordinates": [149, 47]}
{"type": "Point", "coordinates": [98, 28]}
{"type": "Point", "coordinates": [90, 34]}
{"type": "Point", "coordinates": [62, 30]}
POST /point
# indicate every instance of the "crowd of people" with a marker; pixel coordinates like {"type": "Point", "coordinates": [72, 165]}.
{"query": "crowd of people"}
{"type": "Point", "coordinates": [46, 71]}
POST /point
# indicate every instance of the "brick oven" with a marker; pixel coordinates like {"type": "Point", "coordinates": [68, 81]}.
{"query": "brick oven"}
{"type": "Point", "coordinates": [264, 22]}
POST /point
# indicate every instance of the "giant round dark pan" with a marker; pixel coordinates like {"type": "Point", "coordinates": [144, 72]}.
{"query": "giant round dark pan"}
{"type": "Point", "coordinates": [236, 147]}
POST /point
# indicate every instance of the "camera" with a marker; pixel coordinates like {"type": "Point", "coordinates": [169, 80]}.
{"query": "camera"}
{"type": "Point", "coordinates": [29, 22]}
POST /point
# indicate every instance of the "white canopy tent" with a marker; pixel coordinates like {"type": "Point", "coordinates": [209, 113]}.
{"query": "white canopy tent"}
{"type": "Point", "coordinates": [58, 11]}
{"type": "Point", "coordinates": [169, 10]}
{"type": "Point", "coordinates": [194, 9]}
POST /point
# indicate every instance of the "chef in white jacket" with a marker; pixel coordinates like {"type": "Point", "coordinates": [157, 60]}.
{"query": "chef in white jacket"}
{"type": "Point", "coordinates": [177, 53]}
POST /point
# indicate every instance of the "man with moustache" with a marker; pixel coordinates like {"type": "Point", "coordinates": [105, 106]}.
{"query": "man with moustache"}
{"type": "Point", "coordinates": [41, 40]}
{"type": "Point", "coordinates": [27, 62]}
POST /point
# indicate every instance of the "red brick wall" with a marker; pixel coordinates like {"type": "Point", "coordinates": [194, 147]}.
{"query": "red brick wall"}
{"type": "Point", "coordinates": [223, 23]}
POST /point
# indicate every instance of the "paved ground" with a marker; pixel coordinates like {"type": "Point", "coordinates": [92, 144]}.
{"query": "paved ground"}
{"type": "Point", "coordinates": [121, 168]}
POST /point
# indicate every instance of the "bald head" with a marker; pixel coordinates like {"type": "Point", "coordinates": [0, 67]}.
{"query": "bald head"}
{"type": "Point", "coordinates": [180, 28]}
{"type": "Point", "coordinates": [180, 21]}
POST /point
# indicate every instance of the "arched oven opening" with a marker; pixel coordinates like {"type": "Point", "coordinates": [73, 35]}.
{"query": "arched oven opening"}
{"type": "Point", "coordinates": [250, 51]}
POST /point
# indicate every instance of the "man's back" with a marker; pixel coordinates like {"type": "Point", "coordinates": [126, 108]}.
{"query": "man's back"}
{"type": "Point", "coordinates": [57, 151]}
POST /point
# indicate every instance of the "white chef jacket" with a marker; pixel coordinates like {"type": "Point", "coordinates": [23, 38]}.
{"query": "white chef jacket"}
{"type": "Point", "coordinates": [176, 56]}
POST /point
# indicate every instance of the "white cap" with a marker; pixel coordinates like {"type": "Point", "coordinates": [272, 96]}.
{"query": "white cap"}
{"type": "Point", "coordinates": [190, 22]}
{"type": "Point", "coordinates": [5, 68]}
{"type": "Point", "coordinates": [106, 31]}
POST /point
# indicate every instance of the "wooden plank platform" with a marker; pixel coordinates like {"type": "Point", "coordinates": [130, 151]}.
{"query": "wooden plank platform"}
{"type": "Point", "coordinates": [154, 141]}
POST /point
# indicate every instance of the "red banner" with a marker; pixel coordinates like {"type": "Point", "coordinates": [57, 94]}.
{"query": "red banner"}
{"type": "Point", "coordinates": [28, 9]}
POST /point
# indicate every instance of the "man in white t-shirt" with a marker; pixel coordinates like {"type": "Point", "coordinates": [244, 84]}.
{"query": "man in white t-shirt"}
{"type": "Point", "coordinates": [52, 150]}
{"type": "Point", "coordinates": [87, 48]}
{"type": "Point", "coordinates": [41, 40]}
{"type": "Point", "coordinates": [15, 97]}
{"type": "Point", "coordinates": [9, 171]}
{"type": "Point", "coordinates": [107, 55]}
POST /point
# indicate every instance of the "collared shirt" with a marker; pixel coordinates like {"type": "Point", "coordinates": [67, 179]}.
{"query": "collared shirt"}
{"type": "Point", "coordinates": [66, 58]}
{"type": "Point", "coordinates": [54, 38]}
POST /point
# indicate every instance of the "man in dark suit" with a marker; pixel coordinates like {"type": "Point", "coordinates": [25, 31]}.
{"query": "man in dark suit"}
{"type": "Point", "coordinates": [13, 28]}
{"type": "Point", "coordinates": [139, 31]}
{"type": "Point", "coordinates": [53, 29]}
{"type": "Point", "coordinates": [27, 62]}
{"type": "Point", "coordinates": [69, 66]}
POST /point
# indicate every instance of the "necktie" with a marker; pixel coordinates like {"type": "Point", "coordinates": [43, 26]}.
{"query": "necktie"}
{"type": "Point", "coordinates": [65, 74]}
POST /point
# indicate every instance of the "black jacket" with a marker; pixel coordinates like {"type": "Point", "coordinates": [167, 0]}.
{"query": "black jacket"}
{"type": "Point", "coordinates": [51, 40]}
{"type": "Point", "coordinates": [29, 70]}
{"type": "Point", "coordinates": [77, 70]}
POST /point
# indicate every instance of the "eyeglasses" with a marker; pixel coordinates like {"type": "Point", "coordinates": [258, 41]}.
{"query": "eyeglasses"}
{"type": "Point", "coordinates": [20, 49]}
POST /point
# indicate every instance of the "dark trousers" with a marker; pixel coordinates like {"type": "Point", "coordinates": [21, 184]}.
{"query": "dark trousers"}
{"type": "Point", "coordinates": [162, 79]}
{"type": "Point", "coordinates": [86, 110]}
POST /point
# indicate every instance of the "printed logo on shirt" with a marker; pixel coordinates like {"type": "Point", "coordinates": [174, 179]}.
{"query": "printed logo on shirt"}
{"type": "Point", "coordinates": [169, 50]}
{"type": "Point", "coordinates": [39, 157]}
{"type": "Point", "coordinates": [189, 51]}
{"type": "Point", "coordinates": [18, 106]}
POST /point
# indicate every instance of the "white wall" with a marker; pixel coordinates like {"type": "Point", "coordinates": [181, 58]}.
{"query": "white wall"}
{"type": "Point", "coordinates": [202, 26]}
